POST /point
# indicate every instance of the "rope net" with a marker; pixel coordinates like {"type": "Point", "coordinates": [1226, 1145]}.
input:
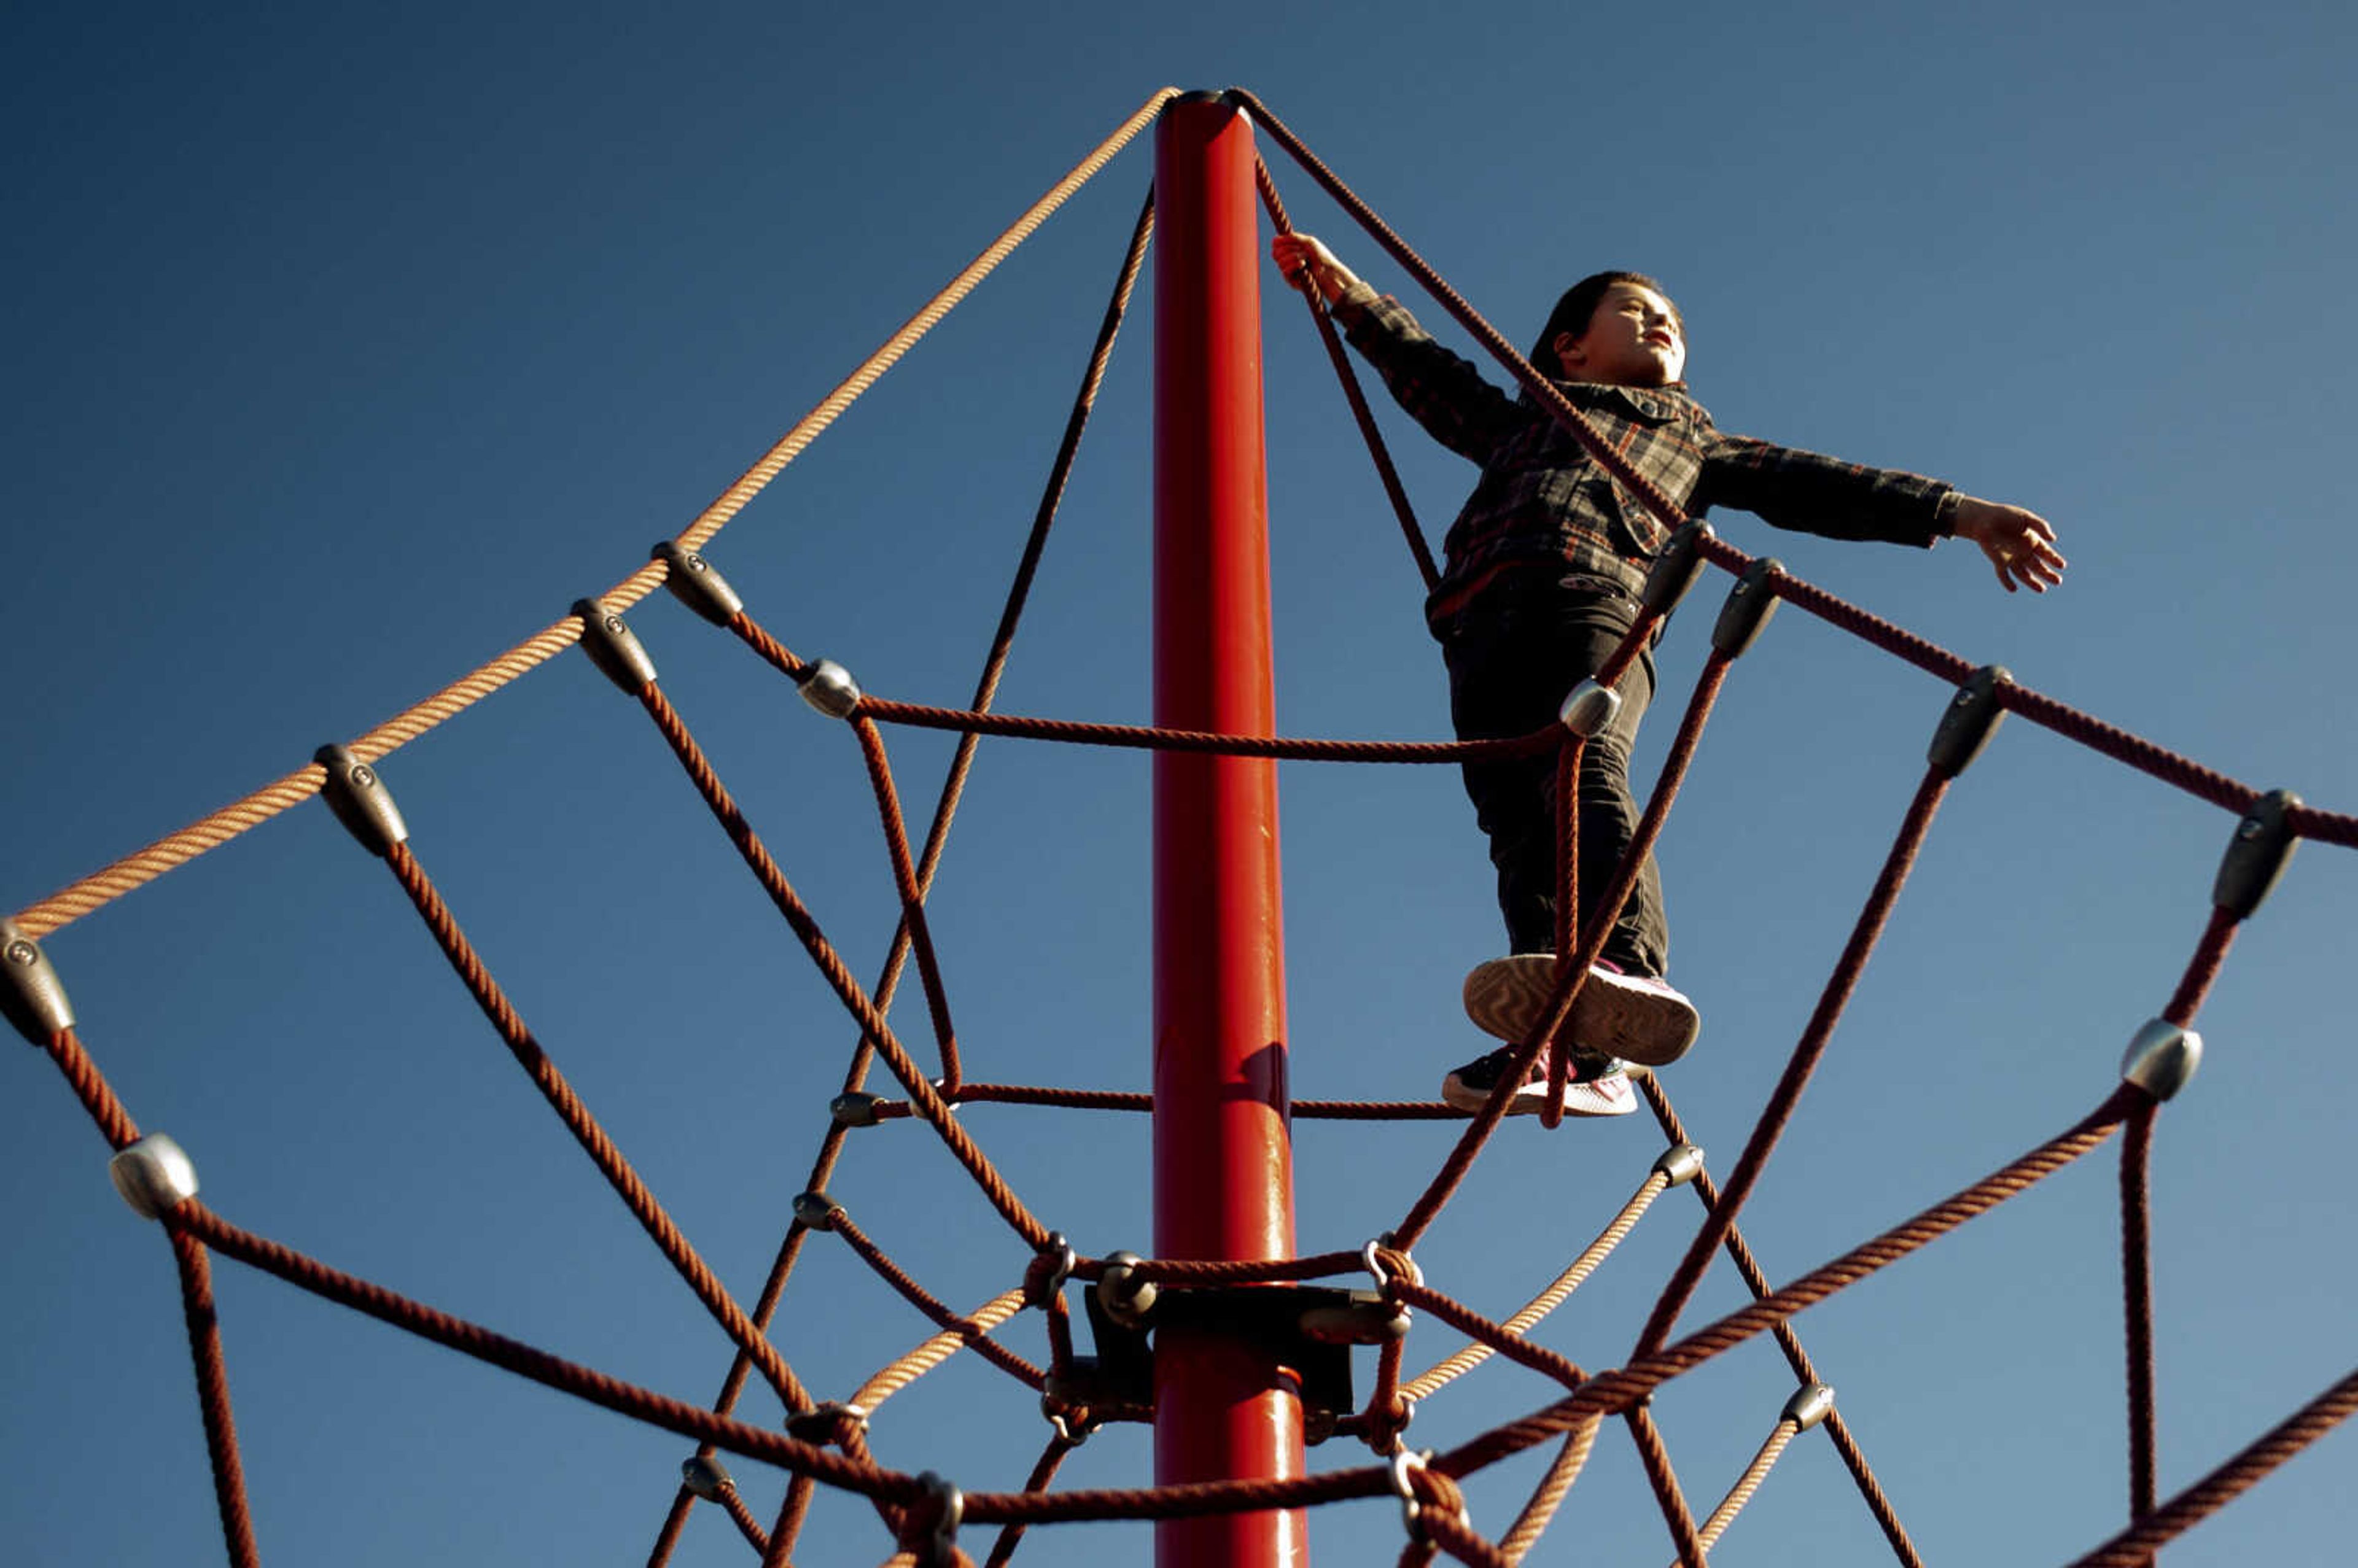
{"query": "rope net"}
{"type": "Point", "coordinates": [824, 1450]}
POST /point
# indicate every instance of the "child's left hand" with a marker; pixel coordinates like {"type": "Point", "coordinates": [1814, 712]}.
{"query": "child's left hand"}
{"type": "Point", "coordinates": [2017, 541]}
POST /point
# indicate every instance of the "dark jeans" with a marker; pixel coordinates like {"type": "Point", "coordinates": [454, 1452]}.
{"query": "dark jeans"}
{"type": "Point", "coordinates": [1512, 655]}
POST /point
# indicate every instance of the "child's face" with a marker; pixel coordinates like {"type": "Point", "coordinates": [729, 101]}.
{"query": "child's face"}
{"type": "Point", "coordinates": [1633, 340]}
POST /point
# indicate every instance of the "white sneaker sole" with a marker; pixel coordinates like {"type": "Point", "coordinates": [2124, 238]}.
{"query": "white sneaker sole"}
{"type": "Point", "coordinates": [1612, 1095]}
{"type": "Point", "coordinates": [1639, 1020]}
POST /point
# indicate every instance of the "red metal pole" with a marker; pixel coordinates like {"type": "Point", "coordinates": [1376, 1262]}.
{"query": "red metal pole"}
{"type": "Point", "coordinates": [1223, 1152]}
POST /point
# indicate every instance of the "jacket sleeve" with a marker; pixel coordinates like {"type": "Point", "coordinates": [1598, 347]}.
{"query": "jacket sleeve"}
{"type": "Point", "coordinates": [1440, 391]}
{"type": "Point", "coordinates": [1817, 494]}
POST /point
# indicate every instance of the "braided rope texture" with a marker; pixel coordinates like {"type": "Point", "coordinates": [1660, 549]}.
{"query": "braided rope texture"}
{"type": "Point", "coordinates": [830, 1447]}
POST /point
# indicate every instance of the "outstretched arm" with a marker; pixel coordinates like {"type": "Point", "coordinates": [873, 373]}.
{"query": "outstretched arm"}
{"type": "Point", "coordinates": [1303, 260]}
{"type": "Point", "coordinates": [2020, 543]}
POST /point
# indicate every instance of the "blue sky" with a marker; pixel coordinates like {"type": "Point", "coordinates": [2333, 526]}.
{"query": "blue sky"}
{"type": "Point", "coordinates": [350, 346]}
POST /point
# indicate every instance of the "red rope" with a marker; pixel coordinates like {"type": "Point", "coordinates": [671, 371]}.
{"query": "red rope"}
{"type": "Point", "coordinates": [1807, 1052]}
{"type": "Point", "coordinates": [2135, 1546]}
{"type": "Point", "coordinates": [2136, 1290]}
{"type": "Point", "coordinates": [212, 1398]}
{"type": "Point", "coordinates": [586, 1131]}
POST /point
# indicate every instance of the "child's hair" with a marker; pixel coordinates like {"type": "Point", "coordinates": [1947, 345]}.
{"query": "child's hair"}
{"type": "Point", "coordinates": [1572, 312]}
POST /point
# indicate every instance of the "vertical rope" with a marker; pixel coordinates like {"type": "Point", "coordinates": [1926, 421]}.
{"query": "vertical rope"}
{"type": "Point", "coordinates": [1394, 490]}
{"type": "Point", "coordinates": [2136, 1292]}
{"type": "Point", "coordinates": [212, 1398]}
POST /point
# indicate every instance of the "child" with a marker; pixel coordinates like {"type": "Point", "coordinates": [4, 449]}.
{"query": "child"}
{"type": "Point", "coordinates": [1544, 565]}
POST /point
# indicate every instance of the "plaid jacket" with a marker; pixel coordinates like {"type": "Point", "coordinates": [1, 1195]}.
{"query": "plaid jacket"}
{"type": "Point", "coordinates": [1543, 501]}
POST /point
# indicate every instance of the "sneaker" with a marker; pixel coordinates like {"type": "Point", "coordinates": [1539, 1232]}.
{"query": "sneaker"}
{"type": "Point", "coordinates": [1635, 1017]}
{"type": "Point", "coordinates": [1599, 1086]}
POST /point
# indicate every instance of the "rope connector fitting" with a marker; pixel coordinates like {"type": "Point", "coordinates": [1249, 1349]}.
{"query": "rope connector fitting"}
{"type": "Point", "coordinates": [1588, 708]}
{"type": "Point", "coordinates": [828, 686]}
{"type": "Point", "coordinates": [1126, 1299]}
{"type": "Point", "coordinates": [355, 792]}
{"type": "Point", "coordinates": [1073, 1423]}
{"type": "Point", "coordinates": [706, 1476]}
{"type": "Point", "coordinates": [1969, 720]}
{"type": "Point", "coordinates": [816, 1211]}
{"type": "Point", "coordinates": [1678, 1165]}
{"type": "Point", "coordinates": [1383, 1276]}
{"type": "Point", "coordinates": [153, 1176]}
{"type": "Point", "coordinates": [854, 1108]}
{"type": "Point", "coordinates": [2257, 855]}
{"type": "Point", "coordinates": [1676, 569]}
{"type": "Point", "coordinates": [823, 1421]}
{"type": "Point", "coordinates": [1810, 1404]}
{"type": "Point", "coordinates": [1405, 1466]}
{"type": "Point", "coordinates": [30, 992]}
{"type": "Point", "coordinates": [1749, 604]}
{"type": "Point", "coordinates": [1062, 1261]}
{"type": "Point", "coordinates": [2162, 1058]}
{"type": "Point", "coordinates": [933, 1523]}
{"type": "Point", "coordinates": [695, 583]}
{"type": "Point", "coordinates": [614, 648]}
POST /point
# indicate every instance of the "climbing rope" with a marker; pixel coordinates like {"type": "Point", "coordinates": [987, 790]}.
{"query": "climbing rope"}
{"type": "Point", "coordinates": [826, 1443]}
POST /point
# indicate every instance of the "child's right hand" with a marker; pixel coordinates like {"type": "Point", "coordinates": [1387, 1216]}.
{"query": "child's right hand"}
{"type": "Point", "coordinates": [1304, 260]}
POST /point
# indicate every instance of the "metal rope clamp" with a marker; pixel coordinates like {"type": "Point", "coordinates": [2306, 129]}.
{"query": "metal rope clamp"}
{"type": "Point", "coordinates": [1969, 720]}
{"type": "Point", "coordinates": [153, 1176]}
{"type": "Point", "coordinates": [30, 992]}
{"type": "Point", "coordinates": [356, 793]}
{"type": "Point", "coordinates": [706, 1476]}
{"type": "Point", "coordinates": [1749, 604]}
{"type": "Point", "coordinates": [694, 581]}
{"type": "Point", "coordinates": [933, 1523]}
{"type": "Point", "coordinates": [1588, 708]}
{"type": "Point", "coordinates": [614, 648]}
{"type": "Point", "coordinates": [1126, 1299]}
{"type": "Point", "coordinates": [825, 1423]}
{"type": "Point", "coordinates": [816, 1211]}
{"type": "Point", "coordinates": [2162, 1058]}
{"type": "Point", "coordinates": [1676, 569]}
{"type": "Point", "coordinates": [1067, 1262]}
{"type": "Point", "coordinates": [854, 1108]}
{"type": "Point", "coordinates": [1678, 1165]}
{"type": "Point", "coordinates": [828, 686]}
{"type": "Point", "coordinates": [2257, 857]}
{"type": "Point", "coordinates": [1810, 1404]}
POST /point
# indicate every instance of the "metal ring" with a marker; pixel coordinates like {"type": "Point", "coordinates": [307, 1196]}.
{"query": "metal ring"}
{"type": "Point", "coordinates": [1405, 1464]}
{"type": "Point", "coordinates": [1067, 1262]}
{"type": "Point", "coordinates": [1376, 1268]}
